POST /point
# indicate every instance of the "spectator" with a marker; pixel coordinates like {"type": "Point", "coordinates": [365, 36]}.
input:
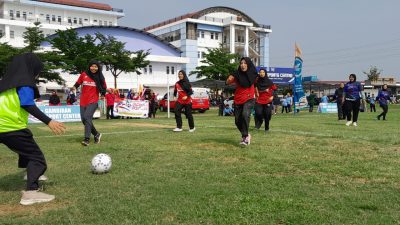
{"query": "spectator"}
{"type": "Point", "coordinates": [71, 98]}
{"type": "Point", "coordinates": [339, 98]}
{"type": "Point", "coordinates": [110, 100]}
{"type": "Point", "coordinates": [372, 103]}
{"type": "Point", "coordinates": [324, 98]}
{"type": "Point", "coordinates": [284, 104]}
{"type": "Point", "coordinates": [311, 101]}
{"type": "Point", "coordinates": [54, 99]}
{"type": "Point", "coordinates": [289, 102]}
{"type": "Point", "coordinates": [228, 111]}
{"type": "Point", "coordinates": [276, 102]}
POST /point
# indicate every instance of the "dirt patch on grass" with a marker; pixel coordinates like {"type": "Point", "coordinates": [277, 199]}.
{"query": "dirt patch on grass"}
{"type": "Point", "coordinates": [32, 210]}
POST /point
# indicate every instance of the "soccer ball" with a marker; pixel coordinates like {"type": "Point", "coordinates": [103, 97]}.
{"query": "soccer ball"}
{"type": "Point", "coordinates": [101, 163]}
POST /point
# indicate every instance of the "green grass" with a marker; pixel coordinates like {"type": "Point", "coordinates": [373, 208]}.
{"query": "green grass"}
{"type": "Point", "coordinates": [309, 169]}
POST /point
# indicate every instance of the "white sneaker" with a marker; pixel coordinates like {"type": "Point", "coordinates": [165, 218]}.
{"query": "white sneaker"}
{"type": "Point", "coordinates": [32, 197]}
{"type": "Point", "coordinates": [177, 130]}
{"type": "Point", "coordinates": [41, 178]}
{"type": "Point", "coordinates": [248, 139]}
{"type": "Point", "coordinates": [355, 124]}
{"type": "Point", "coordinates": [348, 123]}
{"type": "Point", "coordinates": [192, 130]}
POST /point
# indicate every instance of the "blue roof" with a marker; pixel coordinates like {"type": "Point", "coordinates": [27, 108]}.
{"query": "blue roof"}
{"type": "Point", "coordinates": [134, 39]}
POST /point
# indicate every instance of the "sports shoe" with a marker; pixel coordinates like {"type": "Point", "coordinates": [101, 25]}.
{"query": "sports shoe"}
{"type": "Point", "coordinates": [32, 197]}
{"type": "Point", "coordinates": [348, 123]}
{"type": "Point", "coordinates": [85, 142]}
{"type": "Point", "coordinates": [97, 138]}
{"type": "Point", "coordinates": [192, 130]}
{"type": "Point", "coordinates": [247, 139]}
{"type": "Point", "coordinates": [355, 124]}
{"type": "Point", "coordinates": [41, 178]}
{"type": "Point", "coordinates": [177, 129]}
{"type": "Point", "coordinates": [378, 117]}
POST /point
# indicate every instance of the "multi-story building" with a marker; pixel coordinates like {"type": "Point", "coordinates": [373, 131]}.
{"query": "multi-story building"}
{"type": "Point", "coordinates": [16, 15]}
{"type": "Point", "coordinates": [195, 32]}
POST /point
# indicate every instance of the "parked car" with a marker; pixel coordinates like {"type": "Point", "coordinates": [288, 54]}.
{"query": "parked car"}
{"type": "Point", "coordinates": [200, 101]}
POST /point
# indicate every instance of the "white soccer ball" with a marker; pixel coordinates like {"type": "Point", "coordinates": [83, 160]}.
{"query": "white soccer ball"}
{"type": "Point", "coordinates": [101, 163]}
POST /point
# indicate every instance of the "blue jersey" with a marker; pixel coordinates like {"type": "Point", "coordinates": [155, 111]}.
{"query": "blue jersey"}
{"type": "Point", "coordinates": [352, 91]}
{"type": "Point", "coordinates": [383, 97]}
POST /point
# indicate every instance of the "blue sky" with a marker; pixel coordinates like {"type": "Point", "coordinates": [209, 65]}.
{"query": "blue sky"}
{"type": "Point", "coordinates": [337, 37]}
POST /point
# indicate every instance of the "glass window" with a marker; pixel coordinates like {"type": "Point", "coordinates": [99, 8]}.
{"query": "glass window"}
{"type": "Point", "coordinates": [172, 70]}
{"type": "Point", "coordinates": [80, 20]}
{"type": "Point", "coordinates": [216, 36]}
{"type": "Point", "coordinates": [150, 69]}
{"type": "Point", "coordinates": [48, 17]}
{"type": "Point", "coordinates": [167, 69]}
{"type": "Point", "coordinates": [11, 13]}
{"type": "Point", "coordinates": [145, 70]}
{"type": "Point", "coordinates": [75, 20]}
{"type": "Point", "coordinates": [11, 34]}
{"type": "Point", "coordinates": [199, 55]}
{"type": "Point", "coordinates": [202, 34]}
{"type": "Point", "coordinates": [212, 35]}
{"type": "Point", "coordinates": [59, 19]}
{"type": "Point", "coordinates": [100, 22]}
{"type": "Point", "coordinates": [24, 15]}
{"type": "Point", "coordinates": [18, 14]}
{"type": "Point", "coordinates": [69, 20]}
{"type": "Point", "coordinates": [53, 18]}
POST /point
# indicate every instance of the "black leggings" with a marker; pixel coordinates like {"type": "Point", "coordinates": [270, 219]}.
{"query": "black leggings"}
{"type": "Point", "coordinates": [30, 155]}
{"type": "Point", "coordinates": [352, 106]}
{"type": "Point", "coordinates": [263, 113]}
{"type": "Point", "coordinates": [385, 109]}
{"type": "Point", "coordinates": [188, 113]}
{"type": "Point", "coordinates": [242, 117]}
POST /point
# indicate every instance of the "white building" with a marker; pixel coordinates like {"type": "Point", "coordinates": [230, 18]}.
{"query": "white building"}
{"type": "Point", "coordinates": [193, 33]}
{"type": "Point", "coordinates": [16, 15]}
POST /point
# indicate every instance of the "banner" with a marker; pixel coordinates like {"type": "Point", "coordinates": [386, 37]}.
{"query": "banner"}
{"type": "Point", "coordinates": [327, 108]}
{"type": "Point", "coordinates": [132, 108]}
{"type": "Point", "coordinates": [279, 75]}
{"type": "Point", "coordinates": [67, 113]}
{"type": "Point", "coordinates": [300, 100]}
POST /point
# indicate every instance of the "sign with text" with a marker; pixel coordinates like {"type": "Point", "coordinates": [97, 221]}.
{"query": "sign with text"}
{"type": "Point", "coordinates": [279, 75]}
{"type": "Point", "coordinates": [132, 108]}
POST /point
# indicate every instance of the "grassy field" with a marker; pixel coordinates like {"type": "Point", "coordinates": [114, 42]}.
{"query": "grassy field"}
{"type": "Point", "coordinates": [309, 169]}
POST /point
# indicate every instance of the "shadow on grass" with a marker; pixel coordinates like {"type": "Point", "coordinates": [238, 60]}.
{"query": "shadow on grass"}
{"type": "Point", "coordinates": [12, 182]}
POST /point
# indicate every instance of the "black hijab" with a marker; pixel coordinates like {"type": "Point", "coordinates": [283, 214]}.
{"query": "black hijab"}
{"type": "Point", "coordinates": [22, 71]}
{"type": "Point", "coordinates": [263, 82]}
{"type": "Point", "coordinates": [246, 79]}
{"type": "Point", "coordinates": [98, 77]}
{"type": "Point", "coordinates": [185, 84]}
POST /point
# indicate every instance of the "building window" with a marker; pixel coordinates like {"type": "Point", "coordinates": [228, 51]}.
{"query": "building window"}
{"type": "Point", "coordinates": [100, 22]}
{"type": "Point", "coordinates": [199, 55]}
{"type": "Point", "coordinates": [150, 69]}
{"type": "Point", "coordinates": [145, 70]}
{"type": "Point", "coordinates": [48, 17]}
{"type": "Point", "coordinates": [172, 70]}
{"type": "Point", "coordinates": [110, 23]}
{"type": "Point", "coordinates": [167, 69]}
{"type": "Point", "coordinates": [11, 13]}
{"type": "Point", "coordinates": [94, 21]}
{"type": "Point", "coordinates": [59, 19]}
{"type": "Point", "coordinates": [1, 33]}
{"type": "Point", "coordinates": [24, 15]}
{"type": "Point", "coordinates": [86, 19]}
{"type": "Point", "coordinates": [75, 20]}
{"type": "Point", "coordinates": [216, 36]}
{"type": "Point", "coordinates": [53, 18]}
{"type": "Point", "coordinates": [202, 34]}
{"type": "Point", "coordinates": [212, 35]}
{"type": "Point", "coordinates": [18, 15]}
{"type": "Point", "coordinates": [80, 20]}
{"type": "Point", "coordinates": [11, 34]}
{"type": "Point", "coordinates": [69, 20]}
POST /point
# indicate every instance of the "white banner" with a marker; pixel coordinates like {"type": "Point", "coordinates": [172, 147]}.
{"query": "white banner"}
{"type": "Point", "coordinates": [132, 108]}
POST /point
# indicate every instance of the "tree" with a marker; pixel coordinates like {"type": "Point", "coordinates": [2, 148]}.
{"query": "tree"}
{"type": "Point", "coordinates": [117, 59]}
{"type": "Point", "coordinates": [75, 52]}
{"type": "Point", "coordinates": [373, 73]}
{"type": "Point", "coordinates": [33, 37]}
{"type": "Point", "coordinates": [6, 54]}
{"type": "Point", "coordinates": [219, 64]}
